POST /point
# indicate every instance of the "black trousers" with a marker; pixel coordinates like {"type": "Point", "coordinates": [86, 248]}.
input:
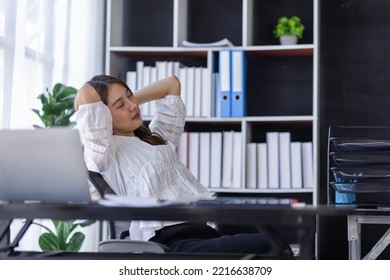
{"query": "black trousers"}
{"type": "Point", "coordinates": [199, 237]}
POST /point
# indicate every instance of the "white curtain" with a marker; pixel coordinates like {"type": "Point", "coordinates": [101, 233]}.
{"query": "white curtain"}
{"type": "Point", "coordinates": [43, 42]}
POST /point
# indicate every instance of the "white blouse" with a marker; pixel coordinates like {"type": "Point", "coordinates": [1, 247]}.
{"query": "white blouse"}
{"type": "Point", "coordinates": [133, 167]}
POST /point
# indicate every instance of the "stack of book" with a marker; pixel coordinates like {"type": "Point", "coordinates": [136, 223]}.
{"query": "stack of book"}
{"type": "Point", "coordinates": [205, 94]}
{"type": "Point", "coordinates": [195, 85]}
{"type": "Point", "coordinates": [214, 158]}
{"type": "Point", "coordinates": [217, 160]}
{"type": "Point", "coordinates": [279, 163]}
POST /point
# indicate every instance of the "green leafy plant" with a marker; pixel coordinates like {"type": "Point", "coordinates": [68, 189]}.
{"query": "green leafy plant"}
{"type": "Point", "coordinates": [289, 26]}
{"type": "Point", "coordinates": [57, 106]}
{"type": "Point", "coordinates": [57, 109]}
{"type": "Point", "coordinates": [63, 239]}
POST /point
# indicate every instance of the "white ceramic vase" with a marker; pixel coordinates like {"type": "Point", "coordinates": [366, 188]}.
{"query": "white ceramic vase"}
{"type": "Point", "coordinates": [288, 40]}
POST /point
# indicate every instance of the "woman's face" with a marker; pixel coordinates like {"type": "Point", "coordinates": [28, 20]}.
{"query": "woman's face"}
{"type": "Point", "coordinates": [124, 109]}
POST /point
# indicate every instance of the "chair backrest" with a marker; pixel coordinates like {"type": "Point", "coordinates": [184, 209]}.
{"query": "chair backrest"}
{"type": "Point", "coordinates": [120, 245]}
{"type": "Point", "coordinates": [102, 188]}
{"type": "Point", "coordinates": [99, 183]}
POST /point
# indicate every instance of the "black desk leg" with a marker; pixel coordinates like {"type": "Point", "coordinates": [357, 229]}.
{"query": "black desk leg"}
{"type": "Point", "coordinates": [10, 248]}
{"type": "Point", "coordinates": [4, 233]}
{"type": "Point", "coordinates": [306, 237]}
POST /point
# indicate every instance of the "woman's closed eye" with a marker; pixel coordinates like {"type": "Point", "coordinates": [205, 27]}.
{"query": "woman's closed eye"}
{"type": "Point", "coordinates": [129, 95]}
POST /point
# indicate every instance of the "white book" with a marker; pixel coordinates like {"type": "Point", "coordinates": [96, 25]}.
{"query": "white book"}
{"type": "Point", "coordinates": [146, 76]}
{"type": "Point", "coordinates": [198, 92]}
{"type": "Point", "coordinates": [153, 79]}
{"type": "Point", "coordinates": [176, 68]}
{"type": "Point", "coordinates": [161, 67]}
{"type": "Point", "coordinates": [131, 80]}
{"type": "Point", "coordinates": [183, 82]}
{"type": "Point", "coordinates": [296, 165]}
{"type": "Point", "coordinates": [262, 166]}
{"type": "Point", "coordinates": [145, 82]}
{"type": "Point", "coordinates": [182, 149]}
{"type": "Point", "coordinates": [169, 68]}
{"type": "Point", "coordinates": [190, 91]}
{"type": "Point", "coordinates": [206, 93]}
{"type": "Point", "coordinates": [307, 165]}
{"type": "Point", "coordinates": [139, 84]}
{"type": "Point", "coordinates": [227, 159]}
{"type": "Point", "coordinates": [153, 75]}
{"type": "Point", "coordinates": [216, 160]}
{"type": "Point", "coordinates": [221, 43]}
{"type": "Point", "coordinates": [139, 69]}
{"type": "Point", "coordinates": [204, 159]}
{"type": "Point", "coordinates": [216, 108]}
{"type": "Point", "coordinates": [251, 165]}
{"type": "Point", "coordinates": [273, 159]}
{"type": "Point", "coordinates": [285, 160]}
{"type": "Point", "coordinates": [237, 160]}
{"type": "Point", "coordinates": [193, 153]}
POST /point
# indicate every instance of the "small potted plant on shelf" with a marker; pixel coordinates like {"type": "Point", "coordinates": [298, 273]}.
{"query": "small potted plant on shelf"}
{"type": "Point", "coordinates": [289, 30]}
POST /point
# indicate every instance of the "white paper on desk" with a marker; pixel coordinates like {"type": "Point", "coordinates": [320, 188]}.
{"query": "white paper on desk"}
{"type": "Point", "coordinates": [120, 200]}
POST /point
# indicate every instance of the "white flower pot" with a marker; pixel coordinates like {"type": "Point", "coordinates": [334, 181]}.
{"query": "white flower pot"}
{"type": "Point", "coordinates": [288, 40]}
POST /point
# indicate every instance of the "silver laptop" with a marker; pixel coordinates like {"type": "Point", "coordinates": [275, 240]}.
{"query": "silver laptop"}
{"type": "Point", "coordinates": [43, 165]}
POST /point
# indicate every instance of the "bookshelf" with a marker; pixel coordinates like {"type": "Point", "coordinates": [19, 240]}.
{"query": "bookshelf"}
{"type": "Point", "coordinates": [281, 81]}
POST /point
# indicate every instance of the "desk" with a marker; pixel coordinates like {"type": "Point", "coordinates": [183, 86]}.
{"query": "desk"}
{"type": "Point", "coordinates": [367, 216]}
{"type": "Point", "coordinates": [234, 211]}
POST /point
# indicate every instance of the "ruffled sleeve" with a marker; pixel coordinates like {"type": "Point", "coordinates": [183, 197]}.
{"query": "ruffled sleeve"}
{"type": "Point", "coordinates": [170, 118]}
{"type": "Point", "coordinates": [94, 122]}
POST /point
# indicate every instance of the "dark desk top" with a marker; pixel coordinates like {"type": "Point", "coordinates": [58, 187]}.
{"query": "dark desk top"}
{"type": "Point", "coordinates": [227, 210]}
{"type": "Point", "coordinates": [231, 210]}
{"type": "Point", "coordinates": [367, 209]}
{"type": "Point", "coordinates": [377, 211]}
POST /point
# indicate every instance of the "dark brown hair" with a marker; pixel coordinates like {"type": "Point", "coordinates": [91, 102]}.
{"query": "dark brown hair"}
{"type": "Point", "coordinates": [102, 83]}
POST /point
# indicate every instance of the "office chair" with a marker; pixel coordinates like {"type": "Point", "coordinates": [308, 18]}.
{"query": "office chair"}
{"type": "Point", "coordinates": [121, 245]}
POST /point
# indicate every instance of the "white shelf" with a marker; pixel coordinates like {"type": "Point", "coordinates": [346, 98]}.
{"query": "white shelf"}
{"type": "Point", "coordinates": [201, 49]}
{"type": "Point", "coordinates": [261, 191]}
{"type": "Point", "coordinates": [284, 119]}
{"type": "Point", "coordinates": [128, 40]}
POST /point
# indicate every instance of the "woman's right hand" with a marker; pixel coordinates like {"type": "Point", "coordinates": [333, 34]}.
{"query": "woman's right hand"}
{"type": "Point", "coordinates": [86, 94]}
{"type": "Point", "coordinates": [157, 90]}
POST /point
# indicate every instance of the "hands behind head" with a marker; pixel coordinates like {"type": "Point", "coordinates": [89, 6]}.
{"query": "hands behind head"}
{"type": "Point", "coordinates": [86, 94]}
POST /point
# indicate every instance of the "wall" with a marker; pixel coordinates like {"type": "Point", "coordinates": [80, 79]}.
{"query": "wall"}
{"type": "Point", "coordinates": [354, 90]}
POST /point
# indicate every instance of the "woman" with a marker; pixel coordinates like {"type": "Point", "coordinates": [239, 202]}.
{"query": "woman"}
{"type": "Point", "coordinates": [142, 162]}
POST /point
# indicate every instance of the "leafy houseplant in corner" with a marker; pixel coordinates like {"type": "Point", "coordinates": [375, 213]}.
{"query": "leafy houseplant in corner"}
{"type": "Point", "coordinates": [288, 30]}
{"type": "Point", "coordinates": [57, 109]}
{"type": "Point", "coordinates": [62, 239]}
{"type": "Point", "coordinates": [57, 106]}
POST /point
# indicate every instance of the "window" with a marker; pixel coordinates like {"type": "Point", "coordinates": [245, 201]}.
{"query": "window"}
{"type": "Point", "coordinates": [43, 42]}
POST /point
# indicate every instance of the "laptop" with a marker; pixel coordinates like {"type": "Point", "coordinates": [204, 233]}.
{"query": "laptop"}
{"type": "Point", "coordinates": [44, 165]}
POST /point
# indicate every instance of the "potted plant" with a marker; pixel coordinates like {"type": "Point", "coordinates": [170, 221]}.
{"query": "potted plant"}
{"type": "Point", "coordinates": [62, 238]}
{"type": "Point", "coordinates": [57, 109]}
{"type": "Point", "coordinates": [288, 30]}
{"type": "Point", "coordinates": [57, 106]}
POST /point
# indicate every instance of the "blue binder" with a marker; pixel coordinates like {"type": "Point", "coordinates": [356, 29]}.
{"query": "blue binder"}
{"type": "Point", "coordinates": [238, 80]}
{"type": "Point", "coordinates": [225, 83]}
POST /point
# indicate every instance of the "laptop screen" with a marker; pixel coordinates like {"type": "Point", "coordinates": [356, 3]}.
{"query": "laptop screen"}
{"type": "Point", "coordinates": [45, 165]}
